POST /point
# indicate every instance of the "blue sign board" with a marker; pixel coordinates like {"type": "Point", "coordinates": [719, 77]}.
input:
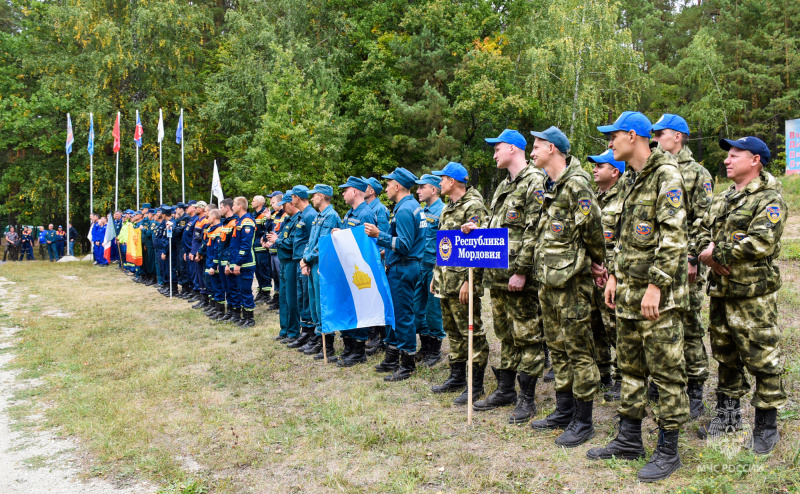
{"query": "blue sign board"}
{"type": "Point", "coordinates": [487, 248]}
{"type": "Point", "coordinates": [793, 146]}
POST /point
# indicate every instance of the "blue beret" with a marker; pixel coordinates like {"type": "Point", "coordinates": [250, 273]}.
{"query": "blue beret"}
{"type": "Point", "coordinates": [356, 183]}
{"type": "Point", "coordinates": [554, 136]}
{"type": "Point", "coordinates": [374, 183]}
{"type": "Point", "coordinates": [300, 191]}
{"type": "Point", "coordinates": [430, 180]}
{"type": "Point", "coordinates": [629, 120]}
{"type": "Point", "coordinates": [322, 189]}
{"type": "Point", "coordinates": [454, 170]}
{"type": "Point", "coordinates": [508, 136]}
{"type": "Point", "coordinates": [402, 176]}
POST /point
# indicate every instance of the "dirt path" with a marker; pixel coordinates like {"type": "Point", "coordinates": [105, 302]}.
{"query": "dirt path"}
{"type": "Point", "coordinates": [37, 462]}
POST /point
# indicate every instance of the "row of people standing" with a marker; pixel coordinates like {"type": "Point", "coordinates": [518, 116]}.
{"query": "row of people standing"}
{"type": "Point", "coordinates": [52, 243]}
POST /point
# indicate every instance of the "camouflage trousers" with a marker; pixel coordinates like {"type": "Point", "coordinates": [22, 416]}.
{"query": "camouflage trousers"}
{"type": "Point", "coordinates": [566, 317]}
{"type": "Point", "coordinates": [653, 348]}
{"type": "Point", "coordinates": [455, 320]}
{"type": "Point", "coordinates": [517, 326]}
{"type": "Point", "coordinates": [604, 332]}
{"type": "Point", "coordinates": [744, 334]}
{"type": "Point", "coordinates": [694, 351]}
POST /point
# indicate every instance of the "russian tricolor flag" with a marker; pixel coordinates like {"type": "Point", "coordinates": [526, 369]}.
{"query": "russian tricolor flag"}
{"type": "Point", "coordinates": [137, 133]}
{"type": "Point", "coordinates": [108, 240]}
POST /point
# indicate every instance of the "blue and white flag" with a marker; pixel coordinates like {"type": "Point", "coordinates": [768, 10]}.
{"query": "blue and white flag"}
{"type": "Point", "coordinates": [354, 291]}
{"type": "Point", "coordinates": [70, 137]}
{"type": "Point", "coordinates": [179, 131]}
{"type": "Point", "coordinates": [90, 145]}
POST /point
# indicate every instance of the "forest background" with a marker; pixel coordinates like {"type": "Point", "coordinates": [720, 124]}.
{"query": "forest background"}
{"type": "Point", "coordinates": [282, 92]}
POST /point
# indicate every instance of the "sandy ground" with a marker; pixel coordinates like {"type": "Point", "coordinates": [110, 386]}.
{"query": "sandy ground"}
{"type": "Point", "coordinates": [37, 462]}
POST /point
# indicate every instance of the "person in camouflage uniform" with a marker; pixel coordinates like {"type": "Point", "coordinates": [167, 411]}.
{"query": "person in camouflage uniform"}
{"type": "Point", "coordinates": [739, 240]}
{"type": "Point", "coordinates": [515, 305]}
{"type": "Point", "coordinates": [608, 174]}
{"type": "Point", "coordinates": [451, 286]}
{"type": "Point", "coordinates": [569, 238]}
{"type": "Point", "coordinates": [647, 287]}
{"type": "Point", "coordinates": [672, 132]}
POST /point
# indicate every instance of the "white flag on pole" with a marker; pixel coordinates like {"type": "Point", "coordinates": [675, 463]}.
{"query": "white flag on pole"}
{"type": "Point", "coordinates": [216, 185]}
{"type": "Point", "coordinates": [160, 125]}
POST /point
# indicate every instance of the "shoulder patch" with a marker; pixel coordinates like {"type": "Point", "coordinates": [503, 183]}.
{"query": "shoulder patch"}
{"type": "Point", "coordinates": [539, 195]}
{"type": "Point", "coordinates": [774, 213]}
{"type": "Point", "coordinates": [708, 188]}
{"type": "Point", "coordinates": [475, 219]}
{"type": "Point", "coordinates": [738, 235]}
{"type": "Point", "coordinates": [675, 197]}
{"type": "Point", "coordinates": [585, 206]}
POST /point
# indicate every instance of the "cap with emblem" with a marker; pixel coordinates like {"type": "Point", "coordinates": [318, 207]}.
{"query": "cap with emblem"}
{"type": "Point", "coordinates": [274, 193]}
{"type": "Point", "coordinates": [608, 157]}
{"type": "Point", "coordinates": [454, 170]}
{"type": "Point", "coordinates": [300, 191]}
{"type": "Point", "coordinates": [402, 176]}
{"type": "Point", "coordinates": [374, 183]}
{"type": "Point", "coordinates": [430, 180]}
{"type": "Point", "coordinates": [749, 143]}
{"type": "Point", "coordinates": [356, 183]}
{"type": "Point", "coordinates": [509, 136]}
{"type": "Point", "coordinates": [629, 120]}
{"type": "Point", "coordinates": [323, 189]}
{"type": "Point", "coordinates": [166, 209]}
{"type": "Point", "coordinates": [554, 136]}
{"type": "Point", "coordinates": [672, 122]}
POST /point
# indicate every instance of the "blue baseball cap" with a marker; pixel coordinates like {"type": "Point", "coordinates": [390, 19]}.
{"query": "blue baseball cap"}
{"type": "Point", "coordinates": [374, 183]}
{"type": "Point", "coordinates": [554, 136]}
{"type": "Point", "coordinates": [129, 211]}
{"type": "Point", "coordinates": [322, 189]}
{"type": "Point", "coordinates": [300, 191]}
{"type": "Point", "coordinates": [180, 205]}
{"type": "Point", "coordinates": [137, 212]}
{"type": "Point", "coordinates": [146, 205]}
{"type": "Point", "coordinates": [508, 136]}
{"type": "Point", "coordinates": [454, 170]}
{"type": "Point", "coordinates": [749, 143]}
{"type": "Point", "coordinates": [672, 122]}
{"type": "Point", "coordinates": [430, 180]}
{"type": "Point", "coordinates": [629, 120]}
{"type": "Point", "coordinates": [275, 193]}
{"type": "Point", "coordinates": [356, 183]}
{"type": "Point", "coordinates": [608, 157]}
{"type": "Point", "coordinates": [191, 203]}
{"type": "Point", "coordinates": [287, 197]}
{"type": "Point", "coordinates": [166, 210]}
{"type": "Point", "coordinates": [402, 176]}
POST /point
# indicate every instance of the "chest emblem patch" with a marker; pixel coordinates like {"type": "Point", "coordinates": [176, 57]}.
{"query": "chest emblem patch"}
{"type": "Point", "coordinates": [512, 215]}
{"type": "Point", "coordinates": [608, 235]}
{"type": "Point", "coordinates": [675, 197]}
{"type": "Point", "coordinates": [738, 236]}
{"type": "Point", "coordinates": [557, 227]}
{"type": "Point", "coordinates": [585, 206]}
{"type": "Point", "coordinates": [643, 230]}
{"type": "Point", "coordinates": [774, 213]}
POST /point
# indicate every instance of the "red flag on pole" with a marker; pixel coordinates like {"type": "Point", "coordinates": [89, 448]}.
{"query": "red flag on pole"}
{"type": "Point", "coordinates": [115, 133]}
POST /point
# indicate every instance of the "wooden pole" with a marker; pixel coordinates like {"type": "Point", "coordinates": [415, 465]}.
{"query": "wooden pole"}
{"type": "Point", "coordinates": [469, 358]}
{"type": "Point", "coordinates": [324, 348]}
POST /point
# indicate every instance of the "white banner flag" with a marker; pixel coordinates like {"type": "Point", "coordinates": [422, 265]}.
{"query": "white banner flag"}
{"type": "Point", "coordinates": [216, 185]}
{"type": "Point", "coordinates": [160, 125]}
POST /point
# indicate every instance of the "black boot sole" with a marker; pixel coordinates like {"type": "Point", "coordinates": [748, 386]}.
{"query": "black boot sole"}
{"type": "Point", "coordinates": [662, 476]}
{"type": "Point", "coordinates": [576, 443]}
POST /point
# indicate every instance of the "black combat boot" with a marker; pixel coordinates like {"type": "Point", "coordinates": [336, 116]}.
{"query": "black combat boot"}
{"type": "Point", "coordinates": [652, 392]}
{"type": "Point", "coordinates": [606, 381]}
{"type": "Point", "coordinates": [456, 381]}
{"type": "Point", "coordinates": [223, 312]}
{"type": "Point", "coordinates": [289, 339]}
{"type": "Point", "coordinates": [424, 348]}
{"type": "Point", "coordinates": [377, 345]}
{"type": "Point", "coordinates": [665, 459]}
{"type": "Point", "coordinates": [259, 296]}
{"type": "Point", "coordinates": [526, 406]}
{"type": "Point", "coordinates": [504, 395]}
{"type": "Point", "coordinates": [274, 303]}
{"type": "Point", "coordinates": [391, 360]}
{"type": "Point", "coordinates": [203, 301]}
{"type": "Point", "coordinates": [581, 428]}
{"type": "Point", "coordinates": [407, 367]}
{"type": "Point", "coordinates": [311, 343]}
{"type": "Point", "coordinates": [477, 387]}
{"type": "Point", "coordinates": [304, 337]}
{"type": "Point", "coordinates": [248, 321]}
{"type": "Point", "coordinates": [357, 355]}
{"type": "Point", "coordinates": [696, 406]}
{"type": "Point", "coordinates": [228, 313]}
{"type": "Point", "coordinates": [347, 344]}
{"type": "Point", "coordinates": [561, 416]}
{"type": "Point", "coordinates": [214, 310]}
{"type": "Point", "coordinates": [613, 394]}
{"type": "Point", "coordinates": [728, 419]}
{"type": "Point", "coordinates": [329, 349]}
{"type": "Point", "coordinates": [434, 352]}
{"type": "Point", "coordinates": [627, 445]}
{"type": "Point", "coordinates": [315, 347]}
{"type": "Point", "coordinates": [765, 433]}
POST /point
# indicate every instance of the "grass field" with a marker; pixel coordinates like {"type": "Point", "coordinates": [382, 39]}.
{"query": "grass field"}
{"type": "Point", "coordinates": [152, 389]}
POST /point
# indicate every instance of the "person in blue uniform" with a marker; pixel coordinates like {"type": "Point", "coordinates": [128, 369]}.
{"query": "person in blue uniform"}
{"type": "Point", "coordinates": [242, 260]}
{"type": "Point", "coordinates": [158, 228]}
{"type": "Point", "coordinates": [185, 266]}
{"type": "Point", "coordinates": [428, 311]}
{"type": "Point", "coordinates": [168, 252]}
{"type": "Point", "coordinates": [115, 251]}
{"type": "Point", "coordinates": [61, 241]}
{"type": "Point", "coordinates": [274, 225]}
{"type": "Point", "coordinates": [302, 232]}
{"type": "Point", "coordinates": [359, 214]}
{"type": "Point", "coordinates": [26, 245]}
{"type": "Point", "coordinates": [326, 220]}
{"type": "Point", "coordinates": [43, 241]}
{"type": "Point", "coordinates": [98, 235]}
{"type": "Point", "coordinates": [210, 244]}
{"type": "Point", "coordinates": [229, 282]}
{"type": "Point", "coordinates": [196, 255]}
{"type": "Point", "coordinates": [263, 275]}
{"type": "Point", "coordinates": [284, 242]}
{"type": "Point", "coordinates": [404, 245]}
{"type": "Point", "coordinates": [374, 188]}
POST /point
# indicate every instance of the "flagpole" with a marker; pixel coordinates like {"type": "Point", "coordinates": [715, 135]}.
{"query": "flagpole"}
{"type": "Point", "coordinates": [469, 355]}
{"type": "Point", "coordinates": [116, 191]}
{"type": "Point", "coordinates": [183, 186]}
{"type": "Point", "coordinates": [211, 199]}
{"type": "Point", "coordinates": [67, 225]}
{"type": "Point", "coordinates": [137, 166]}
{"type": "Point", "coordinates": [91, 170]}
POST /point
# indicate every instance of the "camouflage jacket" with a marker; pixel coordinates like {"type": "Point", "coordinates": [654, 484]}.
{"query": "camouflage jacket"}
{"type": "Point", "coordinates": [569, 235]}
{"type": "Point", "coordinates": [652, 240]}
{"type": "Point", "coordinates": [516, 205]}
{"type": "Point", "coordinates": [610, 203]}
{"type": "Point", "coordinates": [447, 281]}
{"type": "Point", "coordinates": [699, 190]}
{"type": "Point", "coordinates": [745, 226]}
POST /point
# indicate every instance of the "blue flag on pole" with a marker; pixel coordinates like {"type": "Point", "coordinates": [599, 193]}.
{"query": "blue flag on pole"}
{"type": "Point", "coordinates": [90, 145]}
{"type": "Point", "coordinates": [70, 137]}
{"type": "Point", "coordinates": [353, 285]}
{"type": "Point", "coordinates": [179, 131]}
